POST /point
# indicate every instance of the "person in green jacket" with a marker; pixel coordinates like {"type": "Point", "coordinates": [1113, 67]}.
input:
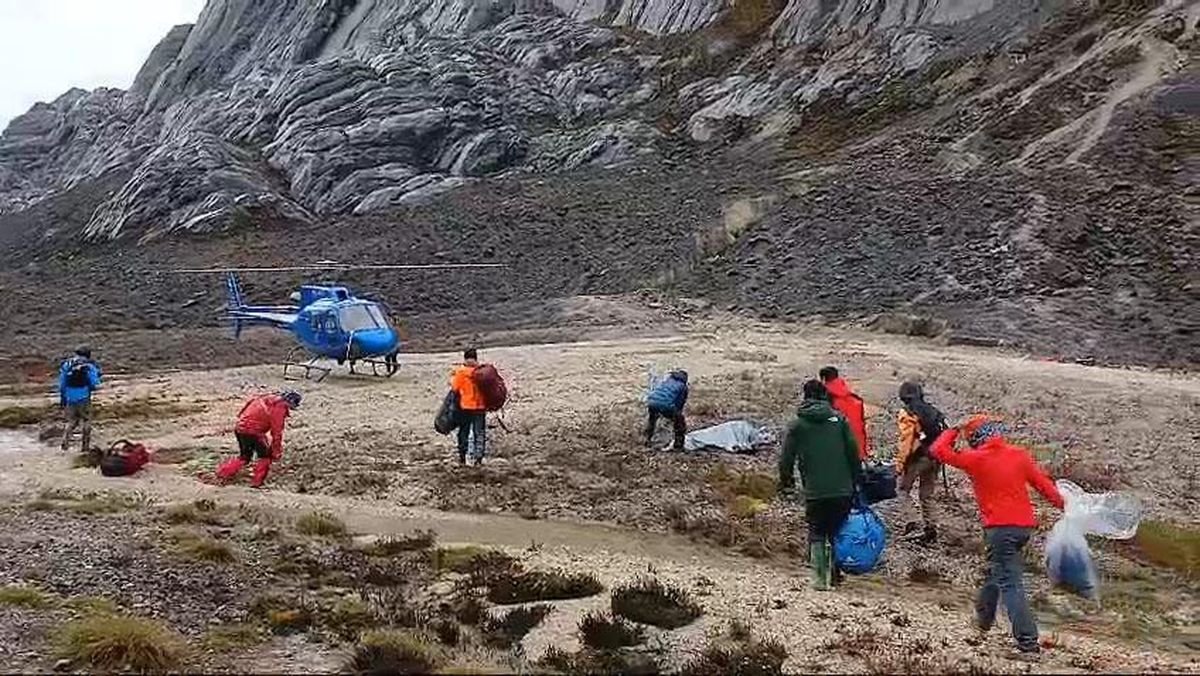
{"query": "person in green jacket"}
{"type": "Point", "coordinates": [821, 446]}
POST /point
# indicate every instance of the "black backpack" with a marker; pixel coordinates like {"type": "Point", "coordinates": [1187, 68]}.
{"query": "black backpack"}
{"type": "Point", "coordinates": [78, 374]}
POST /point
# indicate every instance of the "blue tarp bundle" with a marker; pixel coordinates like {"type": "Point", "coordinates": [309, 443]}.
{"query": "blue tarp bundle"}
{"type": "Point", "coordinates": [859, 545]}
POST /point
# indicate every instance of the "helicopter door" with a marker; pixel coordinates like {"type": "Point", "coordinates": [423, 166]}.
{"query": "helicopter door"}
{"type": "Point", "coordinates": [328, 333]}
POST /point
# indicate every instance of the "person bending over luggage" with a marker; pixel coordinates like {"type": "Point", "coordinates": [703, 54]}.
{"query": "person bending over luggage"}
{"type": "Point", "coordinates": [472, 427]}
{"type": "Point", "coordinates": [78, 378]}
{"type": "Point", "coordinates": [1000, 474]}
{"type": "Point", "coordinates": [822, 447]}
{"type": "Point", "coordinates": [260, 416]}
{"type": "Point", "coordinates": [667, 400]}
{"type": "Point", "coordinates": [920, 423]}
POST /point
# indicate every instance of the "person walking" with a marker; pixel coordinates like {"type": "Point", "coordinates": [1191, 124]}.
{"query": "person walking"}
{"type": "Point", "coordinates": [259, 418]}
{"type": "Point", "coordinates": [78, 378]}
{"type": "Point", "coordinates": [667, 400]}
{"type": "Point", "coordinates": [472, 428]}
{"type": "Point", "coordinates": [919, 423]}
{"type": "Point", "coordinates": [850, 405]}
{"type": "Point", "coordinates": [820, 445]}
{"type": "Point", "coordinates": [1000, 474]}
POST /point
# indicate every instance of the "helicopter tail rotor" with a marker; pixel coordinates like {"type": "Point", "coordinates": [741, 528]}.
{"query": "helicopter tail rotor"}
{"type": "Point", "coordinates": [236, 302]}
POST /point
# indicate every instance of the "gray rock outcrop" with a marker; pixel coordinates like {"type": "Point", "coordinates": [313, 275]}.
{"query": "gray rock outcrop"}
{"type": "Point", "coordinates": [313, 109]}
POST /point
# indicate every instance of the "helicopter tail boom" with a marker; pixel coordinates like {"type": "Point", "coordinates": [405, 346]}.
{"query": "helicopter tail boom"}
{"type": "Point", "coordinates": [242, 315]}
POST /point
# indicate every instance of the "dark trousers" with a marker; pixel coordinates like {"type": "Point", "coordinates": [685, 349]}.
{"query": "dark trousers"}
{"type": "Point", "coordinates": [825, 518]}
{"type": "Point", "coordinates": [677, 420]}
{"type": "Point", "coordinates": [251, 446]}
{"type": "Point", "coordinates": [472, 435]}
{"type": "Point", "coordinates": [79, 416]}
{"type": "Point", "coordinates": [1004, 582]}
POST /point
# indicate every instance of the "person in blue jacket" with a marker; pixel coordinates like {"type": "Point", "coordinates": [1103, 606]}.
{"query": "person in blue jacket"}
{"type": "Point", "coordinates": [667, 400]}
{"type": "Point", "coordinates": [78, 378]}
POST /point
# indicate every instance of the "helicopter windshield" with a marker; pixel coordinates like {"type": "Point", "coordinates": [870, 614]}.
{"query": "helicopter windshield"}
{"type": "Point", "coordinates": [359, 318]}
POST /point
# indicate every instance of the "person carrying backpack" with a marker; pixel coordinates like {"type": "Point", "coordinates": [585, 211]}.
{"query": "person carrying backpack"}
{"type": "Point", "coordinates": [261, 416]}
{"type": "Point", "coordinates": [920, 423]}
{"type": "Point", "coordinates": [1001, 474]}
{"type": "Point", "coordinates": [822, 447]}
{"type": "Point", "coordinates": [667, 400]}
{"type": "Point", "coordinates": [78, 378]}
{"type": "Point", "coordinates": [472, 427]}
{"type": "Point", "coordinates": [850, 405]}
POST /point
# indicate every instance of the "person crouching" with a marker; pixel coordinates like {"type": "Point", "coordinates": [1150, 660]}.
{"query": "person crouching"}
{"type": "Point", "coordinates": [667, 400]}
{"type": "Point", "coordinates": [261, 416]}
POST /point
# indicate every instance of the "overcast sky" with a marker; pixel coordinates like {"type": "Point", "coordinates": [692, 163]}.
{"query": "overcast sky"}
{"type": "Point", "coordinates": [49, 46]}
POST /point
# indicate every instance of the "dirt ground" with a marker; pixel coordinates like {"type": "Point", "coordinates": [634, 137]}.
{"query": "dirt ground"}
{"type": "Point", "coordinates": [569, 485]}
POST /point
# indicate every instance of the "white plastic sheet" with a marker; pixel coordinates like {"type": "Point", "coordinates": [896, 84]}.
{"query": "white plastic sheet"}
{"type": "Point", "coordinates": [1068, 558]}
{"type": "Point", "coordinates": [735, 436]}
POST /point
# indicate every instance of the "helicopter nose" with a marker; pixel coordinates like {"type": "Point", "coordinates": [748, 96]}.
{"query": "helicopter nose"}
{"type": "Point", "coordinates": [375, 343]}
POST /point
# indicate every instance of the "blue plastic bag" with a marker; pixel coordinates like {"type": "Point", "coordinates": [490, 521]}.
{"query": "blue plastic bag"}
{"type": "Point", "coordinates": [859, 545]}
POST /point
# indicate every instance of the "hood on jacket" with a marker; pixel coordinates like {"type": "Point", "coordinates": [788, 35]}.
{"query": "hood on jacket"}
{"type": "Point", "coordinates": [912, 393]}
{"type": "Point", "coordinates": [838, 387]}
{"type": "Point", "coordinates": [816, 410]}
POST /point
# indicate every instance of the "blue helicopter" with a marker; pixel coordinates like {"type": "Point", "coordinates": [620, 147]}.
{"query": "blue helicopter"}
{"type": "Point", "coordinates": [328, 321]}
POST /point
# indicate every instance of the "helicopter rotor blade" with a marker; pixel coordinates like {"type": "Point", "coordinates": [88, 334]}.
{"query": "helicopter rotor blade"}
{"type": "Point", "coordinates": [337, 267]}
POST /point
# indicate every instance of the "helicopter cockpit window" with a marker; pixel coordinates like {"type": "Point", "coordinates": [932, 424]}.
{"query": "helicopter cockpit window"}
{"type": "Point", "coordinates": [357, 318]}
{"type": "Point", "coordinates": [377, 315]}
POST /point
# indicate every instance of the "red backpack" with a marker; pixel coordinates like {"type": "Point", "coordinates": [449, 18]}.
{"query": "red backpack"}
{"type": "Point", "coordinates": [491, 386]}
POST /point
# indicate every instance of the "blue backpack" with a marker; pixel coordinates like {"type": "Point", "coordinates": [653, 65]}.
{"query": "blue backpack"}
{"type": "Point", "coordinates": [859, 545]}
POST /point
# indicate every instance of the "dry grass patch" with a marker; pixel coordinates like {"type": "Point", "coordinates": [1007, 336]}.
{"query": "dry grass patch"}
{"type": "Point", "coordinates": [738, 652]}
{"type": "Point", "coordinates": [349, 617]}
{"type": "Point", "coordinates": [200, 547]}
{"type": "Point", "coordinates": [649, 601]}
{"type": "Point", "coordinates": [510, 628]}
{"type": "Point", "coordinates": [12, 417]}
{"type": "Point", "coordinates": [320, 524]}
{"type": "Point", "coordinates": [393, 652]}
{"type": "Point", "coordinates": [227, 638]}
{"type": "Point", "coordinates": [625, 662]}
{"type": "Point", "coordinates": [199, 511]}
{"type": "Point", "coordinates": [600, 631]}
{"type": "Point", "coordinates": [526, 587]}
{"type": "Point", "coordinates": [21, 596]}
{"type": "Point", "coordinates": [391, 546]}
{"type": "Point", "coordinates": [118, 643]}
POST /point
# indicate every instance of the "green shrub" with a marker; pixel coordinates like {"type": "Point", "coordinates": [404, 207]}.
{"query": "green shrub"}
{"type": "Point", "coordinates": [649, 601]}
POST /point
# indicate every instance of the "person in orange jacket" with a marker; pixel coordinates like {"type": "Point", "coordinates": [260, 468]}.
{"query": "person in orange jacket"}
{"type": "Point", "coordinates": [1000, 475]}
{"type": "Point", "coordinates": [261, 416]}
{"type": "Point", "coordinates": [850, 405]}
{"type": "Point", "coordinates": [472, 427]}
{"type": "Point", "coordinates": [920, 424]}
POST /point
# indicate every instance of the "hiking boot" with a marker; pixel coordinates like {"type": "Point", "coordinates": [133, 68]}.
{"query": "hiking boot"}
{"type": "Point", "coordinates": [928, 536]}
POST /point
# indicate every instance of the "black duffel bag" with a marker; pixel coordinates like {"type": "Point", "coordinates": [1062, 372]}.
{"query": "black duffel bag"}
{"type": "Point", "coordinates": [879, 482]}
{"type": "Point", "coordinates": [447, 418]}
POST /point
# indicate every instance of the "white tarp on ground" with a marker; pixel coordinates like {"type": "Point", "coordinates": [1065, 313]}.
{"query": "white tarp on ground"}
{"type": "Point", "coordinates": [735, 436]}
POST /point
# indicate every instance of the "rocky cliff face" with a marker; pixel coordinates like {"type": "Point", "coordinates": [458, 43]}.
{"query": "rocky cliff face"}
{"type": "Point", "coordinates": [307, 110]}
{"type": "Point", "coordinates": [1006, 171]}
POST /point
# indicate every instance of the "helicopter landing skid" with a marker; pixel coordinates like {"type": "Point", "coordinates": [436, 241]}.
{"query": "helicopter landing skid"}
{"type": "Point", "coordinates": [380, 368]}
{"type": "Point", "coordinates": [309, 367]}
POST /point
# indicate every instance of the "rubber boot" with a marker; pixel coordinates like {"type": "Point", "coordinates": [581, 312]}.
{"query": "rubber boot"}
{"type": "Point", "coordinates": [260, 472]}
{"type": "Point", "coordinates": [819, 562]}
{"type": "Point", "coordinates": [230, 468]}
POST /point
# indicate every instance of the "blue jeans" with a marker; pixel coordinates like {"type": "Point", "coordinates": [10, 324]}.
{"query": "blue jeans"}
{"type": "Point", "coordinates": [472, 435]}
{"type": "Point", "coordinates": [1004, 582]}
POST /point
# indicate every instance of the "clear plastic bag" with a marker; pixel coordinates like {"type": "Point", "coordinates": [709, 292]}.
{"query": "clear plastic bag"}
{"type": "Point", "coordinates": [1069, 560]}
{"type": "Point", "coordinates": [653, 380]}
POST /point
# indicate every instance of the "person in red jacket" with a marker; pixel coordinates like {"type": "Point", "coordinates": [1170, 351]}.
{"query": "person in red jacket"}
{"type": "Point", "coordinates": [1001, 474]}
{"type": "Point", "coordinates": [850, 405]}
{"type": "Point", "coordinates": [261, 416]}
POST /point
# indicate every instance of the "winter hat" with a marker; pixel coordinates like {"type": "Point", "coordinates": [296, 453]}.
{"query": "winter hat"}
{"type": "Point", "coordinates": [980, 428]}
{"type": "Point", "coordinates": [292, 398]}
